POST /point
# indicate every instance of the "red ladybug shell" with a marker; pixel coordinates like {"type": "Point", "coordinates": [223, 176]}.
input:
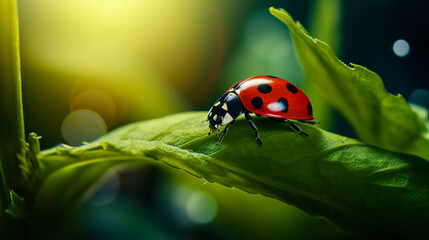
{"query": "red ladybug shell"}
{"type": "Point", "coordinates": [273, 97]}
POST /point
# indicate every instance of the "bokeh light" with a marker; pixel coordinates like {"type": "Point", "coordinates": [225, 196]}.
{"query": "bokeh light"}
{"type": "Point", "coordinates": [201, 207]}
{"type": "Point", "coordinates": [420, 97]}
{"type": "Point", "coordinates": [97, 101]}
{"type": "Point", "coordinates": [82, 126]}
{"type": "Point", "coordinates": [193, 206]}
{"type": "Point", "coordinates": [401, 48]}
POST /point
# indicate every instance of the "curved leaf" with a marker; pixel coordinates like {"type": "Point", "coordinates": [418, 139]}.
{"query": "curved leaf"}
{"type": "Point", "coordinates": [379, 118]}
{"type": "Point", "coordinates": [360, 188]}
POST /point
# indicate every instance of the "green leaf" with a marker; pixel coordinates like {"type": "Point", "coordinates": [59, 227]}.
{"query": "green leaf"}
{"type": "Point", "coordinates": [363, 189]}
{"type": "Point", "coordinates": [66, 174]}
{"type": "Point", "coordinates": [379, 118]}
{"type": "Point", "coordinates": [17, 208]}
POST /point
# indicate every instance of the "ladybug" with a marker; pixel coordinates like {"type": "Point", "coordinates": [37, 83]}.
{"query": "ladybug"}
{"type": "Point", "coordinates": [270, 96]}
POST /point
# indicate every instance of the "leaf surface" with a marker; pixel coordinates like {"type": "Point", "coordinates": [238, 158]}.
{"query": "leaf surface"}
{"type": "Point", "coordinates": [363, 189]}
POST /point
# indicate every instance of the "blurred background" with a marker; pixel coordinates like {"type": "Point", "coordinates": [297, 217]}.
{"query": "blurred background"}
{"type": "Point", "coordinates": [90, 66]}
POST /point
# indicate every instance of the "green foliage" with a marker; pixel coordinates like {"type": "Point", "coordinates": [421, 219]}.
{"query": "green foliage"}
{"type": "Point", "coordinates": [29, 164]}
{"type": "Point", "coordinates": [360, 188]}
{"type": "Point", "coordinates": [17, 207]}
{"type": "Point", "coordinates": [380, 119]}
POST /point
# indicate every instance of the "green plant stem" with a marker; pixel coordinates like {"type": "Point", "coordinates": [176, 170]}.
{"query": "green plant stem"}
{"type": "Point", "coordinates": [327, 27]}
{"type": "Point", "coordinates": [12, 142]}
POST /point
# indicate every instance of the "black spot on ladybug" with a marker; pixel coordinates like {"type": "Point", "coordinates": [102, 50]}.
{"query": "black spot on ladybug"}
{"type": "Point", "coordinates": [283, 104]}
{"type": "Point", "coordinates": [310, 109]}
{"type": "Point", "coordinates": [264, 88]}
{"type": "Point", "coordinates": [270, 76]}
{"type": "Point", "coordinates": [291, 88]}
{"type": "Point", "coordinates": [257, 102]}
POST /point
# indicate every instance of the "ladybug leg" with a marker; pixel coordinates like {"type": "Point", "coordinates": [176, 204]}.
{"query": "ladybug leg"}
{"type": "Point", "coordinates": [253, 126]}
{"type": "Point", "coordinates": [214, 133]}
{"type": "Point", "coordinates": [223, 134]}
{"type": "Point", "coordinates": [296, 128]}
{"type": "Point", "coordinates": [291, 124]}
{"type": "Point", "coordinates": [309, 122]}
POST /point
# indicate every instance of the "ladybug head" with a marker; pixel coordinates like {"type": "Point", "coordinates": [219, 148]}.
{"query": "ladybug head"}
{"type": "Point", "coordinates": [216, 117]}
{"type": "Point", "coordinates": [225, 110]}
